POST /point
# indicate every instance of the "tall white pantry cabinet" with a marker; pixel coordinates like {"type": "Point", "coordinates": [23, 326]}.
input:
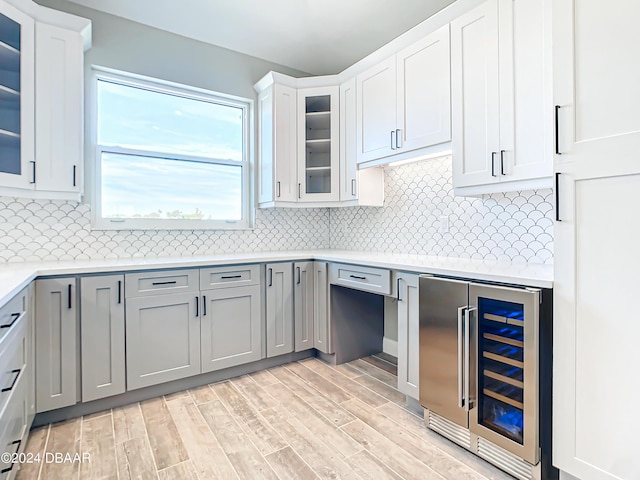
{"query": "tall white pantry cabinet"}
{"type": "Point", "coordinates": [597, 262]}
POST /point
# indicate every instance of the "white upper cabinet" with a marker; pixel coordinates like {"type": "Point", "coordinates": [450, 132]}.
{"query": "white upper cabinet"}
{"type": "Point", "coordinates": [277, 146]}
{"type": "Point", "coordinates": [365, 187]}
{"type": "Point", "coordinates": [403, 103]}
{"type": "Point", "coordinates": [501, 97]}
{"type": "Point", "coordinates": [59, 110]}
{"type": "Point", "coordinates": [318, 144]}
{"type": "Point", "coordinates": [16, 99]}
{"type": "Point", "coordinates": [41, 102]}
{"type": "Point", "coordinates": [595, 88]}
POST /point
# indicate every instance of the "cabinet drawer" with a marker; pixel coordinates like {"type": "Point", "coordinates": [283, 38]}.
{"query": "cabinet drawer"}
{"type": "Point", "coordinates": [10, 314]}
{"type": "Point", "coordinates": [13, 357]}
{"type": "Point", "coordinates": [376, 280]}
{"type": "Point", "coordinates": [13, 422]}
{"type": "Point", "coordinates": [161, 283]}
{"type": "Point", "coordinates": [234, 276]}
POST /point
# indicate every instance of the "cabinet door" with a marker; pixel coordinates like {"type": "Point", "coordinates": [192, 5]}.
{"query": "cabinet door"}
{"type": "Point", "coordinates": [16, 99]}
{"type": "Point", "coordinates": [318, 144]}
{"type": "Point", "coordinates": [376, 111]}
{"type": "Point", "coordinates": [408, 335]}
{"type": "Point", "coordinates": [596, 260]}
{"type": "Point", "coordinates": [56, 346]}
{"type": "Point", "coordinates": [303, 297]}
{"type": "Point", "coordinates": [231, 328]}
{"type": "Point", "coordinates": [321, 316]}
{"type": "Point", "coordinates": [59, 109]}
{"type": "Point", "coordinates": [526, 116]}
{"type": "Point", "coordinates": [163, 338]}
{"type": "Point", "coordinates": [424, 92]}
{"type": "Point", "coordinates": [102, 336]}
{"type": "Point", "coordinates": [367, 185]}
{"type": "Point", "coordinates": [348, 140]}
{"type": "Point", "coordinates": [279, 309]}
{"type": "Point", "coordinates": [475, 96]}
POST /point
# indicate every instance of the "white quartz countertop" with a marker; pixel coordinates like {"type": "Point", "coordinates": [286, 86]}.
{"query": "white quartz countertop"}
{"type": "Point", "coordinates": [15, 276]}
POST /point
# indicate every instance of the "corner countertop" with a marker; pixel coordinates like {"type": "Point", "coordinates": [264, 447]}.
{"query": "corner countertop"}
{"type": "Point", "coordinates": [15, 276]}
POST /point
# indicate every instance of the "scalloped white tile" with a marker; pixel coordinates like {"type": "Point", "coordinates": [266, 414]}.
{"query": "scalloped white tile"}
{"type": "Point", "coordinates": [513, 226]}
{"type": "Point", "coordinates": [33, 230]}
{"type": "Point", "coordinates": [516, 226]}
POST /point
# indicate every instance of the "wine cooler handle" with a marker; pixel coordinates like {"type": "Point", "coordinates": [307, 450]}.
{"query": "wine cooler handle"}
{"type": "Point", "coordinates": [471, 360]}
{"type": "Point", "coordinates": [462, 381]}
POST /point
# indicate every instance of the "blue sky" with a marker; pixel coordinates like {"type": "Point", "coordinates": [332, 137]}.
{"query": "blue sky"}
{"type": "Point", "coordinates": [136, 118]}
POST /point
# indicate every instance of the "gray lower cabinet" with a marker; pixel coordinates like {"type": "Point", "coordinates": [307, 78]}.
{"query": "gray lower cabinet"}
{"type": "Point", "coordinates": [279, 301]}
{"type": "Point", "coordinates": [303, 297]}
{"type": "Point", "coordinates": [102, 336]}
{"type": "Point", "coordinates": [408, 334]}
{"type": "Point", "coordinates": [56, 343]}
{"type": "Point", "coordinates": [163, 338]}
{"type": "Point", "coordinates": [321, 317]}
{"type": "Point", "coordinates": [231, 327]}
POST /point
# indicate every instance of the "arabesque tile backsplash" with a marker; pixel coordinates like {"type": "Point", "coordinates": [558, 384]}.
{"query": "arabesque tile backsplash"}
{"type": "Point", "coordinates": [513, 226]}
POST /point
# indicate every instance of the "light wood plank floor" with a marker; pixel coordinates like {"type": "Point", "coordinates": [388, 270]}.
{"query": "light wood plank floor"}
{"type": "Point", "coordinates": [303, 420]}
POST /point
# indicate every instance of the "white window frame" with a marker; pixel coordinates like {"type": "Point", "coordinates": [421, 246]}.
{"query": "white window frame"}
{"type": "Point", "coordinates": [162, 86]}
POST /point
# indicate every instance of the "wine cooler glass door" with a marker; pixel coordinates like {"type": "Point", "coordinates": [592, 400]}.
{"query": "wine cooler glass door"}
{"type": "Point", "coordinates": [506, 345]}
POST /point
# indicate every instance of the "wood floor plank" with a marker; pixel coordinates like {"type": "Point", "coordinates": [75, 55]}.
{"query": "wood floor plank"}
{"type": "Point", "coordinates": [256, 395]}
{"type": "Point", "coordinates": [348, 370]}
{"type": "Point", "coordinates": [165, 442]}
{"type": "Point", "coordinates": [36, 444]}
{"type": "Point", "coordinates": [242, 454]}
{"type": "Point", "coordinates": [263, 378]}
{"type": "Point", "coordinates": [64, 437]}
{"type": "Point", "coordinates": [289, 466]}
{"type": "Point", "coordinates": [206, 453]}
{"type": "Point", "coordinates": [135, 460]}
{"type": "Point", "coordinates": [315, 398]}
{"type": "Point", "coordinates": [416, 426]}
{"type": "Point", "coordinates": [369, 467]}
{"type": "Point", "coordinates": [203, 394]}
{"type": "Point", "coordinates": [328, 388]}
{"type": "Point", "coordinates": [376, 372]}
{"type": "Point", "coordinates": [325, 461]}
{"type": "Point", "coordinates": [128, 423]}
{"type": "Point", "coordinates": [418, 446]}
{"type": "Point", "coordinates": [264, 437]}
{"type": "Point", "coordinates": [382, 389]}
{"type": "Point", "coordinates": [244, 380]}
{"type": "Point", "coordinates": [314, 421]}
{"type": "Point", "coordinates": [400, 461]}
{"type": "Point", "coordinates": [180, 471]}
{"type": "Point", "coordinates": [98, 441]}
{"type": "Point", "coordinates": [347, 384]}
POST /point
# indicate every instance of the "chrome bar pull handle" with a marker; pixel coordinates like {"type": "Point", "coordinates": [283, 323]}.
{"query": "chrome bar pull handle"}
{"type": "Point", "coordinates": [398, 290]}
{"type": "Point", "coordinates": [33, 172]}
{"type": "Point", "coordinates": [493, 164]}
{"type": "Point", "coordinates": [298, 271]}
{"type": "Point", "coordinates": [204, 305]}
{"type": "Point", "coordinates": [69, 297]}
{"type": "Point", "coordinates": [278, 189]}
{"type": "Point", "coordinates": [299, 190]}
{"type": "Point", "coordinates": [393, 140]}
{"type": "Point", "coordinates": [353, 187]}
{"type": "Point", "coordinates": [119, 291]}
{"type": "Point", "coordinates": [502, 152]}
{"type": "Point", "coordinates": [398, 138]}
{"type": "Point", "coordinates": [271, 277]}
{"type": "Point", "coordinates": [197, 303]}
{"type": "Point", "coordinates": [461, 354]}
{"type": "Point", "coordinates": [471, 384]}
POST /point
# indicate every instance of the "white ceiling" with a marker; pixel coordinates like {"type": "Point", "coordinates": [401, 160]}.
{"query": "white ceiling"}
{"type": "Point", "coordinates": [314, 36]}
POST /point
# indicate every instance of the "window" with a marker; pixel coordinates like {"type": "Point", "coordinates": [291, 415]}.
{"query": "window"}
{"type": "Point", "coordinates": [169, 156]}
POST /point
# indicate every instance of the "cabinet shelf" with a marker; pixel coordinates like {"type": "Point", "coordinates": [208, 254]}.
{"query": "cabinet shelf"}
{"type": "Point", "coordinates": [501, 359]}
{"type": "Point", "coordinates": [7, 93]}
{"type": "Point", "coordinates": [502, 378]}
{"type": "Point", "coordinates": [504, 399]}
{"type": "Point", "coordinates": [505, 340]}
{"type": "Point", "coordinates": [9, 57]}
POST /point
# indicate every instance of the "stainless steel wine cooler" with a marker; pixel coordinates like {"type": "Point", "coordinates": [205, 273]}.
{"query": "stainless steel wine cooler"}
{"type": "Point", "coordinates": [479, 368]}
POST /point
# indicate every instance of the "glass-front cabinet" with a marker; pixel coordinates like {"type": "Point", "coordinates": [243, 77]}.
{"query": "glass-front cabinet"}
{"type": "Point", "coordinates": [16, 98]}
{"type": "Point", "coordinates": [318, 144]}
